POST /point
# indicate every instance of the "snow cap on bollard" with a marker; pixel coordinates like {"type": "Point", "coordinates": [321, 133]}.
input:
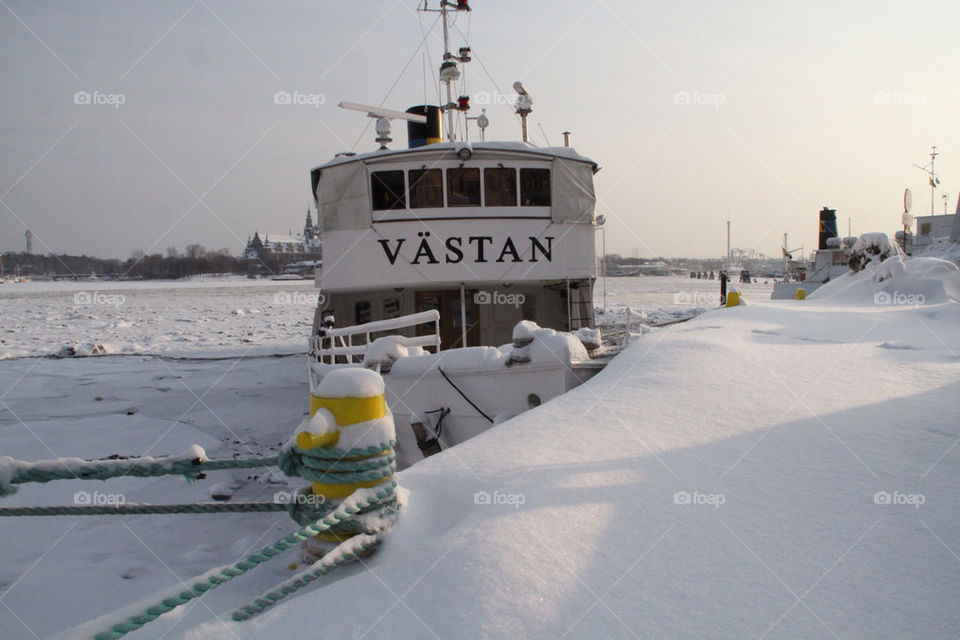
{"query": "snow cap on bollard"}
{"type": "Point", "coordinates": [351, 395]}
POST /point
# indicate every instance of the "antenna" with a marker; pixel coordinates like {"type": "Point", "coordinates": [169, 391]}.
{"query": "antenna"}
{"type": "Point", "coordinates": [544, 133]}
{"type": "Point", "coordinates": [934, 180]}
{"type": "Point", "coordinates": [383, 116]}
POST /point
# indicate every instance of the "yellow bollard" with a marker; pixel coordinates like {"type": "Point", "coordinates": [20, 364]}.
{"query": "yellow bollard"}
{"type": "Point", "coordinates": [801, 294]}
{"type": "Point", "coordinates": [733, 298]}
{"type": "Point", "coordinates": [355, 398]}
{"type": "Point", "coordinates": [348, 414]}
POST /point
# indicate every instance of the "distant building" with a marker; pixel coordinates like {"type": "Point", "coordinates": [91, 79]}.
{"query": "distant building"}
{"type": "Point", "coordinates": [934, 226]}
{"type": "Point", "coordinates": [277, 253]}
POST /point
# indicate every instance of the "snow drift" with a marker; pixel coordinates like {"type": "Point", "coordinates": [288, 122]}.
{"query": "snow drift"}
{"type": "Point", "coordinates": [716, 480]}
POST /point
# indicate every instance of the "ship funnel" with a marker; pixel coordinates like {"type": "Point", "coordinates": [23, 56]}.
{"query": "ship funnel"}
{"type": "Point", "coordinates": [828, 227]}
{"type": "Point", "coordinates": [431, 132]}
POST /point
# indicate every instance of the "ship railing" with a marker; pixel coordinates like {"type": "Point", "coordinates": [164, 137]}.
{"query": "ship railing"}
{"type": "Point", "coordinates": [347, 345]}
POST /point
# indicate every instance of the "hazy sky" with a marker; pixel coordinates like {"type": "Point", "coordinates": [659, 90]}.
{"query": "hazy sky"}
{"type": "Point", "coordinates": [760, 111]}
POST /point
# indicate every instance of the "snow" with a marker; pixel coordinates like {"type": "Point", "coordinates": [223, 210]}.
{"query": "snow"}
{"type": "Point", "coordinates": [322, 422]}
{"type": "Point", "coordinates": [896, 281]}
{"type": "Point", "coordinates": [198, 317]}
{"type": "Point", "coordinates": [524, 332]}
{"type": "Point", "coordinates": [387, 350]}
{"type": "Point", "coordinates": [545, 346]}
{"type": "Point", "coordinates": [350, 383]}
{"type": "Point", "coordinates": [783, 469]}
{"type": "Point", "coordinates": [874, 243]}
{"type": "Point", "coordinates": [762, 470]}
{"type": "Point", "coordinates": [470, 358]}
{"type": "Point", "coordinates": [359, 435]}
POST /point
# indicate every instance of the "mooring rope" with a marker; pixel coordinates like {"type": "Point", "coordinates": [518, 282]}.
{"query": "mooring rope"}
{"type": "Point", "coordinates": [14, 472]}
{"type": "Point", "coordinates": [361, 499]}
{"type": "Point", "coordinates": [350, 503]}
{"type": "Point", "coordinates": [348, 551]}
{"type": "Point", "coordinates": [127, 509]}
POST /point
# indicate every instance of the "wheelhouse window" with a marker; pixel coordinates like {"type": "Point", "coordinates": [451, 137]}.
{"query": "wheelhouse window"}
{"type": "Point", "coordinates": [391, 308]}
{"type": "Point", "coordinates": [500, 187]}
{"type": "Point", "coordinates": [535, 187]}
{"type": "Point", "coordinates": [426, 188]}
{"type": "Point", "coordinates": [361, 312]}
{"type": "Point", "coordinates": [463, 187]}
{"type": "Point", "coordinates": [387, 190]}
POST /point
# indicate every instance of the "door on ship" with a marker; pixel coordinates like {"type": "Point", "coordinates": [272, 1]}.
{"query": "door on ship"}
{"type": "Point", "coordinates": [448, 304]}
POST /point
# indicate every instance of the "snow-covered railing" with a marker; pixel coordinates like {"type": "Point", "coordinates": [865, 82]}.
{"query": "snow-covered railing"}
{"type": "Point", "coordinates": [344, 343]}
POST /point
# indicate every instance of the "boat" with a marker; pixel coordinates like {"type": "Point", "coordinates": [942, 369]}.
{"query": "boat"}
{"type": "Point", "coordinates": [829, 261]}
{"type": "Point", "coordinates": [436, 252]}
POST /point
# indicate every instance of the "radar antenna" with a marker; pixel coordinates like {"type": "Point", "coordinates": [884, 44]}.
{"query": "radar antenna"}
{"type": "Point", "coordinates": [383, 116]}
{"type": "Point", "coordinates": [524, 107]}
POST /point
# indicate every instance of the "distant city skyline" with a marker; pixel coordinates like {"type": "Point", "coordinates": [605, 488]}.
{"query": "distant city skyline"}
{"type": "Point", "coordinates": [138, 126]}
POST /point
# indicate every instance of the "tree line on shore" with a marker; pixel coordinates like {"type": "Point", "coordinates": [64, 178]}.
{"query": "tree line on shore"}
{"type": "Point", "coordinates": [194, 260]}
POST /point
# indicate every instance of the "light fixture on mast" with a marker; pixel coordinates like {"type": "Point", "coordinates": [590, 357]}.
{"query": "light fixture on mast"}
{"type": "Point", "coordinates": [383, 116]}
{"type": "Point", "coordinates": [449, 72]}
{"type": "Point", "coordinates": [482, 123]}
{"type": "Point", "coordinates": [524, 107]}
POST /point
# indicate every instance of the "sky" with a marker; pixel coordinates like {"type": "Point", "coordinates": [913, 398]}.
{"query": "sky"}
{"type": "Point", "coordinates": [698, 112]}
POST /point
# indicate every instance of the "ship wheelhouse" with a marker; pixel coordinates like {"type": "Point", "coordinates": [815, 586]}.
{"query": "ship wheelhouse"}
{"type": "Point", "coordinates": [488, 234]}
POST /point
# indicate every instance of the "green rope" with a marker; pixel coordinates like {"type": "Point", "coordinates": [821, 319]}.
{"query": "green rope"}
{"type": "Point", "coordinates": [22, 472]}
{"type": "Point", "coordinates": [326, 465]}
{"type": "Point", "coordinates": [320, 464]}
{"type": "Point", "coordinates": [330, 465]}
{"type": "Point", "coordinates": [139, 509]}
{"type": "Point", "coordinates": [339, 556]}
{"type": "Point", "coordinates": [361, 499]}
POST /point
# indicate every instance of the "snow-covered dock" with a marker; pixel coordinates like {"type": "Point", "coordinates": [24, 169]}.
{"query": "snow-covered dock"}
{"type": "Point", "coordinates": [774, 470]}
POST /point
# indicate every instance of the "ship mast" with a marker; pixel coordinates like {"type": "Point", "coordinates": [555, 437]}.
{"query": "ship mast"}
{"type": "Point", "coordinates": [449, 72]}
{"type": "Point", "coordinates": [449, 79]}
{"type": "Point", "coordinates": [934, 180]}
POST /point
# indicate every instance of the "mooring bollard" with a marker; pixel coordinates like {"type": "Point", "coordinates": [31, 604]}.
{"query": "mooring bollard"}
{"type": "Point", "coordinates": [349, 444]}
